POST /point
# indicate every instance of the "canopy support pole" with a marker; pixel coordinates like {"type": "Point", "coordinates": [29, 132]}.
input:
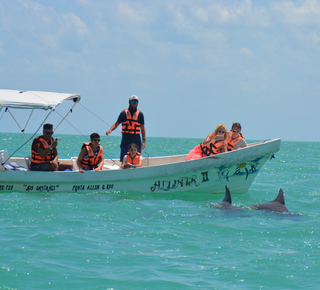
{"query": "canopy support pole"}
{"type": "Point", "coordinates": [28, 139]}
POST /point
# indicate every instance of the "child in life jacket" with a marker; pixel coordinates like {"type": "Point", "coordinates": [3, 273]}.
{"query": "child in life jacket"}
{"type": "Point", "coordinates": [133, 158]}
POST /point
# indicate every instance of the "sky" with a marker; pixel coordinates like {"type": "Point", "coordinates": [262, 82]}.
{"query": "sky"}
{"type": "Point", "coordinates": [193, 64]}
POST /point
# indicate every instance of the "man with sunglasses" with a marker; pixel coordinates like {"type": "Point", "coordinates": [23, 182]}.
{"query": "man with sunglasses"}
{"type": "Point", "coordinates": [132, 121]}
{"type": "Point", "coordinates": [236, 139]}
{"type": "Point", "coordinates": [44, 154]}
{"type": "Point", "coordinates": [91, 156]}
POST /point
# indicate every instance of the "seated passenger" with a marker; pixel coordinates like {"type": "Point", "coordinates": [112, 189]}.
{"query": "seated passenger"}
{"type": "Point", "coordinates": [236, 139]}
{"type": "Point", "coordinates": [44, 153]}
{"type": "Point", "coordinates": [133, 158]}
{"type": "Point", "coordinates": [215, 143]}
{"type": "Point", "coordinates": [91, 156]}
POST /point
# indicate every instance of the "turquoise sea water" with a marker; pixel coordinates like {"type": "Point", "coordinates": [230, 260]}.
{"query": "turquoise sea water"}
{"type": "Point", "coordinates": [122, 241]}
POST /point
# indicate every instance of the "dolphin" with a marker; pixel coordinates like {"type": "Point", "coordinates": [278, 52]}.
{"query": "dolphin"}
{"type": "Point", "coordinates": [277, 205]}
{"type": "Point", "coordinates": [226, 203]}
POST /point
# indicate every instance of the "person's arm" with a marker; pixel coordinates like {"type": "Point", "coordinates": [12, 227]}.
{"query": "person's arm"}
{"type": "Point", "coordinates": [100, 166]}
{"type": "Point", "coordinates": [210, 138]}
{"type": "Point", "coordinates": [140, 162]}
{"type": "Point", "coordinates": [113, 127]}
{"type": "Point", "coordinates": [44, 152]}
{"type": "Point", "coordinates": [82, 153]}
{"type": "Point", "coordinates": [225, 146]}
{"type": "Point", "coordinates": [125, 164]}
{"type": "Point", "coordinates": [143, 133]}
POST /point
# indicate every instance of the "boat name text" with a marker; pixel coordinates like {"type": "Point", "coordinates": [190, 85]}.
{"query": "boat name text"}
{"type": "Point", "coordinates": [170, 184]}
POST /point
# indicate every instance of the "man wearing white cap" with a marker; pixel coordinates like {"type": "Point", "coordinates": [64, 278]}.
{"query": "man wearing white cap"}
{"type": "Point", "coordinates": [132, 121]}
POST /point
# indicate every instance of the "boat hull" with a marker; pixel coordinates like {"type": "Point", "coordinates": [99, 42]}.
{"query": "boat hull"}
{"type": "Point", "coordinates": [160, 175]}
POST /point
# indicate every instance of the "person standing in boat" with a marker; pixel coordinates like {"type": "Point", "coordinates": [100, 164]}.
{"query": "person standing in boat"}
{"type": "Point", "coordinates": [91, 156]}
{"type": "Point", "coordinates": [133, 158]}
{"type": "Point", "coordinates": [132, 121]}
{"type": "Point", "coordinates": [236, 139]}
{"type": "Point", "coordinates": [215, 143]}
{"type": "Point", "coordinates": [44, 153]}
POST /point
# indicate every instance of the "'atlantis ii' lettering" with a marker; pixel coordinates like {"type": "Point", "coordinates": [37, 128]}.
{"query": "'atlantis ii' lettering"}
{"type": "Point", "coordinates": [167, 185]}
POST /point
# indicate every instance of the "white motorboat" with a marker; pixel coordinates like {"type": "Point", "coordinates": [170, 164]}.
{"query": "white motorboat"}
{"type": "Point", "coordinates": [168, 174]}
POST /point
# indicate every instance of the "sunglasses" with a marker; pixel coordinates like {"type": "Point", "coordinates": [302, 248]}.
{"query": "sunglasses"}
{"type": "Point", "coordinates": [49, 133]}
{"type": "Point", "coordinates": [234, 131]}
{"type": "Point", "coordinates": [134, 102]}
{"type": "Point", "coordinates": [95, 140]}
{"type": "Point", "coordinates": [221, 132]}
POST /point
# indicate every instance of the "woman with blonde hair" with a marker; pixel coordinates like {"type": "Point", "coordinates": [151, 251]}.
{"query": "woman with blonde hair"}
{"type": "Point", "coordinates": [215, 143]}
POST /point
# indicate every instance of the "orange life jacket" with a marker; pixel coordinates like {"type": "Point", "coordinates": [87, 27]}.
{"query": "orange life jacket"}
{"type": "Point", "coordinates": [232, 142]}
{"type": "Point", "coordinates": [35, 156]}
{"type": "Point", "coordinates": [212, 148]}
{"type": "Point", "coordinates": [91, 161]}
{"type": "Point", "coordinates": [131, 125]}
{"type": "Point", "coordinates": [135, 160]}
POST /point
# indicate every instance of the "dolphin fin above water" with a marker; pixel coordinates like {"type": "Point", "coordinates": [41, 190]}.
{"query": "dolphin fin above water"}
{"type": "Point", "coordinates": [227, 198]}
{"type": "Point", "coordinates": [226, 203]}
{"type": "Point", "coordinates": [277, 205]}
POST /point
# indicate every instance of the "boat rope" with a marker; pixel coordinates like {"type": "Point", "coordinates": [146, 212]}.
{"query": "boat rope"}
{"type": "Point", "coordinates": [70, 125]}
{"type": "Point", "coordinates": [82, 134]}
{"type": "Point", "coordinates": [99, 118]}
{"type": "Point", "coordinates": [70, 111]}
{"type": "Point", "coordinates": [148, 155]}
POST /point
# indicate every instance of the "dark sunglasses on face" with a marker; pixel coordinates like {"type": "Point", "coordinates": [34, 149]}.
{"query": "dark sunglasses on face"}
{"type": "Point", "coordinates": [95, 140]}
{"type": "Point", "coordinates": [49, 133]}
{"type": "Point", "coordinates": [134, 102]}
{"type": "Point", "coordinates": [235, 131]}
{"type": "Point", "coordinates": [221, 132]}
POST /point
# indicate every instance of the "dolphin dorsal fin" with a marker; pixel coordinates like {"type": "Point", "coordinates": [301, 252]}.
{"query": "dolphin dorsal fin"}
{"type": "Point", "coordinates": [280, 197]}
{"type": "Point", "coordinates": [227, 197]}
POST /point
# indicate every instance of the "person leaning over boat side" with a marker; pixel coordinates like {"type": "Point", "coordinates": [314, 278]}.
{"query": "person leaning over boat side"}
{"type": "Point", "coordinates": [236, 139]}
{"type": "Point", "coordinates": [44, 153]}
{"type": "Point", "coordinates": [133, 158]}
{"type": "Point", "coordinates": [91, 156]}
{"type": "Point", "coordinates": [215, 143]}
{"type": "Point", "coordinates": [132, 121]}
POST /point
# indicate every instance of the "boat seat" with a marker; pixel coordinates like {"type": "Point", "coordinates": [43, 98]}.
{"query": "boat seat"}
{"type": "Point", "coordinates": [4, 156]}
{"type": "Point", "coordinates": [27, 160]}
{"type": "Point", "coordinates": [110, 166]}
{"type": "Point", "coordinates": [7, 165]}
{"type": "Point", "coordinates": [74, 163]}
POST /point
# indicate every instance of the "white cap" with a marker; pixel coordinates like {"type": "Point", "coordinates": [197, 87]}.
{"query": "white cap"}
{"type": "Point", "coordinates": [133, 97]}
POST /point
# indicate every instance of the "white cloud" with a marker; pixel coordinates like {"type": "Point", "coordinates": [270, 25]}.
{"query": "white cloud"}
{"type": "Point", "coordinates": [246, 51]}
{"type": "Point", "coordinates": [72, 22]}
{"type": "Point", "coordinates": [138, 12]}
{"type": "Point", "coordinates": [303, 12]}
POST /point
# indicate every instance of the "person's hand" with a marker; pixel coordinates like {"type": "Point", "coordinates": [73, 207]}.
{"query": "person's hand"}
{"type": "Point", "coordinates": [54, 143]}
{"type": "Point", "coordinates": [108, 132]}
{"type": "Point", "coordinates": [54, 162]}
{"type": "Point", "coordinates": [143, 145]}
